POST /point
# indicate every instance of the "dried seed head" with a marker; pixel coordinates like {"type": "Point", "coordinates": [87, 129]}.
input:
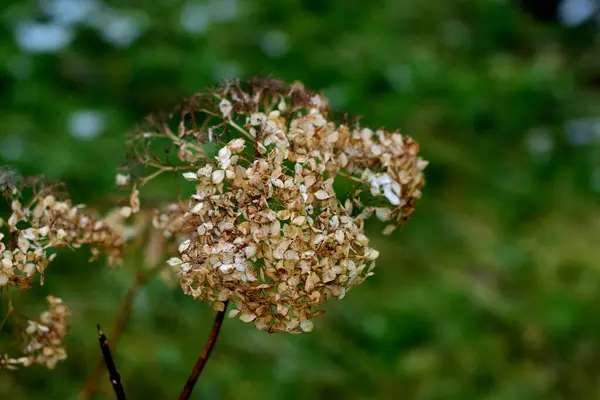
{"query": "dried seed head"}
{"type": "Point", "coordinates": [264, 228]}
{"type": "Point", "coordinates": [44, 338]}
{"type": "Point", "coordinates": [43, 223]}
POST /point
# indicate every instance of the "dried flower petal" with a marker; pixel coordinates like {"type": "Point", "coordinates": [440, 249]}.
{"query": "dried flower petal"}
{"type": "Point", "coordinates": [190, 176]}
{"type": "Point", "coordinates": [174, 261]}
{"type": "Point", "coordinates": [321, 195]}
{"type": "Point", "coordinates": [247, 316]}
{"type": "Point", "coordinates": [306, 325]}
{"type": "Point", "coordinates": [218, 176]}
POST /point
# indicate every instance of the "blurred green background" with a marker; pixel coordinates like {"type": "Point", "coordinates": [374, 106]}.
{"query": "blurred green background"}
{"type": "Point", "coordinates": [492, 291]}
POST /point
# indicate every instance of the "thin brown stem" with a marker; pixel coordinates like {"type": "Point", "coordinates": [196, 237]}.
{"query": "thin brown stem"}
{"type": "Point", "coordinates": [10, 309]}
{"type": "Point", "coordinates": [113, 375]}
{"type": "Point", "coordinates": [116, 331]}
{"type": "Point", "coordinates": [212, 339]}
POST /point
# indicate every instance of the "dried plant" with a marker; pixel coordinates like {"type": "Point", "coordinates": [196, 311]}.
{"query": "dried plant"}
{"type": "Point", "coordinates": [264, 228]}
{"type": "Point", "coordinates": [256, 220]}
{"type": "Point", "coordinates": [38, 224]}
{"type": "Point", "coordinates": [44, 338]}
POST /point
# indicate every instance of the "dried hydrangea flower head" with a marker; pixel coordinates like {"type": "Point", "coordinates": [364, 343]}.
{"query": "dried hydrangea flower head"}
{"type": "Point", "coordinates": [44, 338]}
{"type": "Point", "coordinates": [264, 227]}
{"type": "Point", "coordinates": [41, 222]}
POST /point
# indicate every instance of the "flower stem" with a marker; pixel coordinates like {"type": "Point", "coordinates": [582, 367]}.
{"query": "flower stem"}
{"type": "Point", "coordinates": [212, 339]}
{"type": "Point", "coordinates": [124, 312]}
{"type": "Point", "coordinates": [113, 375]}
{"type": "Point", "coordinates": [117, 329]}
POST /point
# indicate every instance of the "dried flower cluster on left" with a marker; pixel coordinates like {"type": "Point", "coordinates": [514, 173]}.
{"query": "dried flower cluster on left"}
{"type": "Point", "coordinates": [40, 220]}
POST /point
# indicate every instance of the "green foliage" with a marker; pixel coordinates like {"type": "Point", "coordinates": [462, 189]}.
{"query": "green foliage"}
{"type": "Point", "coordinates": [488, 293]}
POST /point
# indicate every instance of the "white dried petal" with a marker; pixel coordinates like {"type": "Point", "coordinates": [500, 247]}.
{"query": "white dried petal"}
{"type": "Point", "coordinates": [218, 176]}
{"type": "Point", "coordinates": [334, 222]}
{"type": "Point", "coordinates": [339, 236]}
{"type": "Point", "coordinates": [225, 107]}
{"type": "Point", "coordinates": [122, 180]}
{"type": "Point", "coordinates": [29, 269]}
{"type": "Point", "coordinates": [240, 267]}
{"type": "Point", "coordinates": [299, 220]}
{"type": "Point", "coordinates": [383, 213]}
{"type": "Point", "coordinates": [49, 201]}
{"type": "Point", "coordinates": [247, 316]}
{"type": "Point", "coordinates": [32, 327]}
{"type": "Point", "coordinates": [309, 181]}
{"type": "Point", "coordinates": [321, 195]}
{"type": "Point", "coordinates": [392, 197]}
{"type": "Point", "coordinates": [328, 275]}
{"type": "Point", "coordinates": [283, 215]}
{"type": "Point", "coordinates": [281, 106]}
{"type": "Point", "coordinates": [257, 118]}
{"type": "Point", "coordinates": [197, 208]}
{"type": "Point", "coordinates": [224, 157]}
{"type": "Point", "coordinates": [184, 245]}
{"type": "Point", "coordinates": [250, 251]}
{"type": "Point", "coordinates": [205, 171]}
{"type": "Point", "coordinates": [12, 220]}
{"type": "Point", "coordinates": [185, 268]}
{"type": "Point", "coordinates": [224, 295]}
{"type": "Point", "coordinates": [421, 164]}
{"type": "Point", "coordinates": [372, 254]}
{"type": "Point", "coordinates": [190, 176]}
{"type": "Point", "coordinates": [389, 229]}
{"type": "Point", "coordinates": [174, 261]}
{"type": "Point", "coordinates": [236, 145]}
{"type": "Point", "coordinates": [311, 281]}
{"type": "Point", "coordinates": [306, 325]}
{"type": "Point", "coordinates": [275, 228]}
{"type": "Point", "coordinates": [126, 211]}
{"type": "Point", "coordinates": [318, 239]}
{"type": "Point", "coordinates": [28, 234]}
{"type": "Point", "coordinates": [226, 268]}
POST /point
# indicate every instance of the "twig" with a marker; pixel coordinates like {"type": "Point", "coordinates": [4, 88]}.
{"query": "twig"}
{"type": "Point", "coordinates": [212, 339]}
{"type": "Point", "coordinates": [124, 311]}
{"type": "Point", "coordinates": [10, 309]}
{"type": "Point", "coordinates": [113, 375]}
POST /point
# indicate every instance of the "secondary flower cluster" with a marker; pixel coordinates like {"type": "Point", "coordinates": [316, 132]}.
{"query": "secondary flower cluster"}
{"type": "Point", "coordinates": [38, 223]}
{"type": "Point", "coordinates": [264, 228]}
{"type": "Point", "coordinates": [44, 338]}
{"type": "Point", "coordinates": [45, 223]}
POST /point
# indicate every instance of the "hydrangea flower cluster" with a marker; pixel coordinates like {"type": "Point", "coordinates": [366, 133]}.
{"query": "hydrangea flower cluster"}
{"type": "Point", "coordinates": [44, 338]}
{"type": "Point", "coordinates": [45, 223]}
{"type": "Point", "coordinates": [38, 223]}
{"type": "Point", "coordinates": [264, 228]}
